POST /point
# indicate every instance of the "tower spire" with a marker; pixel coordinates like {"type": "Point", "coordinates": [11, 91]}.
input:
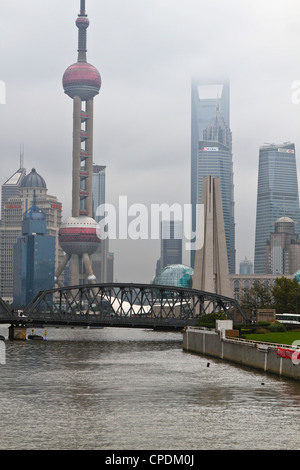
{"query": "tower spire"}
{"type": "Point", "coordinates": [21, 156]}
{"type": "Point", "coordinates": [82, 7]}
{"type": "Point", "coordinates": [82, 24]}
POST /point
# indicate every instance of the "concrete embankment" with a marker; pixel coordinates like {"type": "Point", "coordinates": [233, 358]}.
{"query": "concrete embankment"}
{"type": "Point", "coordinates": [277, 359]}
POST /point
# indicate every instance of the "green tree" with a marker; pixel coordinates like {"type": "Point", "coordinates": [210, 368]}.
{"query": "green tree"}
{"type": "Point", "coordinates": [285, 293]}
{"type": "Point", "coordinates": [258, 296]}
{"type": "Point", "coordinates": [210, 319]}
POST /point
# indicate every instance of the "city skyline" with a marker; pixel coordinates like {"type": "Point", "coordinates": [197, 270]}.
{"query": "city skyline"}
{"type": "Point", "coordinates": [142, 124]}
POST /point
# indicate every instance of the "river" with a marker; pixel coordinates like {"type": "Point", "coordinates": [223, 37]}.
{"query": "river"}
{"type": "Point", "coordinates": [132, 389]}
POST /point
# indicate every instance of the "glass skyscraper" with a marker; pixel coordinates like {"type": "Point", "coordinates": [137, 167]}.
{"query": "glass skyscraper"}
{"type": "Point", "coordinates": [33, 258]}
{"type": "Point", "coordinates": [170, 244]}
{"type": "Point", "coordinates": [211, 152]}
{"type": "Point", "coordinates": [102, 259]}
{"type": "Point", "coordinates": [277, 195]}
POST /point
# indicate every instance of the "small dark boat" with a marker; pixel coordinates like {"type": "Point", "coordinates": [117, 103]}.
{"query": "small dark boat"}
{"type": "Point", "coordinates": [35, 337]}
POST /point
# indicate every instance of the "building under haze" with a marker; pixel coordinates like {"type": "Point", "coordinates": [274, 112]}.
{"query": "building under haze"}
{"type": "Point", "coordinates": [32, 186]}
{"type": "Point", "coordinates": [211, 152]}
{"type": "Point", "coordinates": [246, 267]}
{"type": "Point", "coordinates": [102, 259]}
{"type": "Point", "coordinates": [33, 258]}
{"type": "Point", "coordinates": [277, 196]}
{"type": "Point", "coordinates": [170, 244]}
{"type": "Point", "coordinates": [283, 248]}
{"type": "Point", "coordinates": [11, 187]}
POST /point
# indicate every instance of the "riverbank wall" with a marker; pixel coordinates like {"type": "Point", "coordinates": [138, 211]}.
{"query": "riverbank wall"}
{"type": "Point", "coordinates": [223, 343]}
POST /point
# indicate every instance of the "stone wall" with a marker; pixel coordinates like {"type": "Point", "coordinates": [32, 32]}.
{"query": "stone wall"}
{"type": "Point", "coordinates": [268, 357]}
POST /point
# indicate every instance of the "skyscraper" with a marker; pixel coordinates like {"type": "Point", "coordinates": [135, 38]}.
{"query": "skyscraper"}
{"type": "Point", "coordinates": [33, 258]}
{"type": "Point", "coordinates": [277, 195]}
{"type": "Point", "coordinates": [246, 266]}
{"type": "Point", "coordinates": [78, 235]}
{"type": "Point", "coordinates": [21, 199]}
{"type": "Point", "coordinates": [211, 152]}
{"type": "Point", "coordinates": [11, 187]}
{"type": "Point", "coordinates": [283, 248]}
{"type": "Point", "coordinates": [170, 244]}
{"type": "Point", "coordinates": [102, 259]}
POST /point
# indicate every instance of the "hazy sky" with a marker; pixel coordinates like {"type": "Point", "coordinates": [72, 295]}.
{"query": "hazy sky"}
{"type": "Point", "coordinates": [147, 52]}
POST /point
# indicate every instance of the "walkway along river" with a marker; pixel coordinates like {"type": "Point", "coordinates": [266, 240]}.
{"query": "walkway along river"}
{"type": "Point", "coordinates": [268, 357]}
{"type": "Point", "coordinates": [117, 388]}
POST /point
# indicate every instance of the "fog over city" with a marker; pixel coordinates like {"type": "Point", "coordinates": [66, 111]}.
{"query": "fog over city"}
{"type": "Point", "coordinates": [147, 53]}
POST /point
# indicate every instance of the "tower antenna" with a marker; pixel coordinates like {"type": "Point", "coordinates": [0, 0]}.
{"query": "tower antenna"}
{"type": "Point", "coordinates": [21, 156]}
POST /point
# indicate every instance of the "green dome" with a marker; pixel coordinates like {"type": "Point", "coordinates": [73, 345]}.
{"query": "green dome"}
{"type": "Point", "coordinates": [177, 275]}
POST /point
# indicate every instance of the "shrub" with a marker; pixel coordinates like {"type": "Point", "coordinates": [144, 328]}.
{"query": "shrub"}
{"type": "Point", "coordinates": [277, 327]}
{"type": "Point", "coordinates": [261, 330]}
{"type": "Point", "coordinates": [209, 320]}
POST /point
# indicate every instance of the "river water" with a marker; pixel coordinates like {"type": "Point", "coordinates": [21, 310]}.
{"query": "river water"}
{"type": "Point", "coordinates": [132, 389]}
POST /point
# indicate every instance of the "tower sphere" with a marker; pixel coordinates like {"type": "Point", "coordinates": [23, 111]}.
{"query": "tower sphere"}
{"type": "Point", "coordinates": [78, 235]}
{"type": "Point", "coordinates": [82, 22]}
{"type": "Point", "coordinates": [82, 79]}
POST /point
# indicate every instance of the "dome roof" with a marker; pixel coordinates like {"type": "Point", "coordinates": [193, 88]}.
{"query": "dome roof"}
{"type": "Point", "coordinates": [82, 79]}
{"type": "Point", "coordinates": [177, 275]}
{"type": "Point", "coordinates": [33, 180]}
{"type": "Point", "coordinates": [285, 219]}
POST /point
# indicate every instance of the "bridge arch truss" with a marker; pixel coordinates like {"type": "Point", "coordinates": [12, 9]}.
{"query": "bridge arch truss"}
{"type": "Point", "coordinates": [128, 304]}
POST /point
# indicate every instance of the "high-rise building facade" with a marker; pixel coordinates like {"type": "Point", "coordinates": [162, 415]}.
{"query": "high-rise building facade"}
{"type": "Point", "coordinates": [32, 186]}
{"type": "Point", "coordinates": [277, 195]}
{"type": "Point", "coordinates": [246, 266]}
{"type": "Point", "coordinates": [170, 244]}
{"type": "Point", "coordinates": [33, 258]}
{"type": "Point", "coordinates": [211, 152]}
{"type": "Point", "coordinates": [11, 187]}
{"type": "Point", "coordinates": [283, 248]}
{"type": "Point", "coordinates": [102, 259]}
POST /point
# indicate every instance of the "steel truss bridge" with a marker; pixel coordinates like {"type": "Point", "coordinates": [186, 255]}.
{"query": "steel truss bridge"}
{"type": "Point", "coordinates": [127, 305]}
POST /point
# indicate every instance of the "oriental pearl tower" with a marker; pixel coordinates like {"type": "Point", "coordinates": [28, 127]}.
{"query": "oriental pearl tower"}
{"type": "Point", "coordinates": [78, 234]}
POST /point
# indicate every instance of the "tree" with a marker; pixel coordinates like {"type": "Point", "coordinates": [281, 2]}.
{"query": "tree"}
{"type": "Point", "coordinates": [285, 294]}
{"type": "Point", "coordinates": [258, 296]}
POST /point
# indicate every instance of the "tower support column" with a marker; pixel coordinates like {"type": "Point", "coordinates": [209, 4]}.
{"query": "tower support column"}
{"type": "Point", "coordinates": [76, 156]}
{"type": "Point", "coordinates": [89, 163]}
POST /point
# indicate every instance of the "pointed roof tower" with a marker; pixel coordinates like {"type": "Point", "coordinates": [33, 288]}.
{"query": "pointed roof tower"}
{"type": "Point", "coordinates": [217, 130]}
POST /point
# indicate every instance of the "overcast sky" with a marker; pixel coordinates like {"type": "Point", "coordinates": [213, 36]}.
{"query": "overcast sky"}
{"type": "Point", "coordinates": [147, 52]}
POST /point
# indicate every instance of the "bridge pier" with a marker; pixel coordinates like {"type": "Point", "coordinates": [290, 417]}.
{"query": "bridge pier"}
{"type": "Point", "coordinates": [17, 333]}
